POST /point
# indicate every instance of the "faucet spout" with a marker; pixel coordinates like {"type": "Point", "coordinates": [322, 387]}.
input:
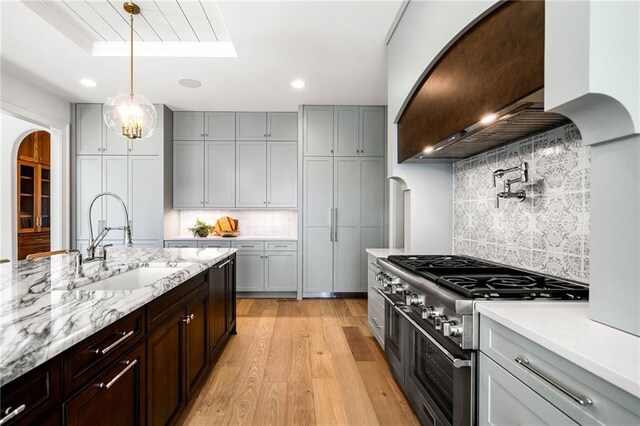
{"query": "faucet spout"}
{"type": "Point", "coordinates": [94, 242]}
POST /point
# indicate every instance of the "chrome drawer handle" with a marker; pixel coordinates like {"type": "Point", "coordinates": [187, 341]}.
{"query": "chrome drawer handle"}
{"type": "Point", "coordinates": [124, 337]}
{"type": "Point", "coordinates": [375, 322]}
{"type": "Point", "coordinates": [280, 246]}
{"type": "Point", "coordinates": [129, 366]}
{"type": "Point", "coordinates": [188, 319]}
{"type": "Point", "coordinates": [224, 264]}
{"type": "Point", "coordinates": [582, 400]}
{"type": "Point", "coordinates": [11, 413]}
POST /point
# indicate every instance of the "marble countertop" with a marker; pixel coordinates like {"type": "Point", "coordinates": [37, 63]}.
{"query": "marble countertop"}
{"type": "Point", "coordinates": [384, 252]}
{"type": "Point", "coordinates": [565, 329]}
{"type": "Point", "coordinates": [239, 237]}
{"type": "Point", "coordinates": [44, 309]}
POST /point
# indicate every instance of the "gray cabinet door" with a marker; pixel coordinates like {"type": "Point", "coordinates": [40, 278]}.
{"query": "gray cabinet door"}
{"type": "Point", "coordinates": [145, 201]}
{"type": "Point", "coordinates": [153, 145]}
{"type": "Point", "coordinates": [371, 210]}
{"type": "Point", "coordinates": [114, 179]}
{"type": "Point", "coordinates": [347, 217]}
{"type": "Point", "coordinates": [251, 126]}
{"type": "Point", "coordinates": [372, 131]}
{"type": "Point", "coordinates": [219, 126]}
{"type": "Point", "coordinates": [89, 129]}
{"type": "Point", "coordinates": [188, 126]}
{"type": "Point", "coordinates": [318, 130]}
{"type": "Point", "coordinates": [282, 174]}
{"type": "Point", "coordinates": [282, 126]}
{"type": "Point", "coordinates": [281, 271]}
{"type": "Point", "coordinates": [114, 144]}
{"type": "Point", "coordinates": [505, 400]}
{"type": "Point", "coordinates": [188, 172]}
{"type": "Point", "coordinates": [249, 271]}
{"type": "Point", "coordinates": [88, 185]}
{"type": "Point", "coordinates": [317, 231]}
{"type": "Point", "coordinates": [220, 174]}
{"type": "Point", "coordinates": [251, 162]}
{"type": "Point", "coordinates": [346, 130]}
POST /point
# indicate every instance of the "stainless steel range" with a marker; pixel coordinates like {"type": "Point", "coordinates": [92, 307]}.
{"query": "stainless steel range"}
{"type": "Point", "coordinates": [431, 329]}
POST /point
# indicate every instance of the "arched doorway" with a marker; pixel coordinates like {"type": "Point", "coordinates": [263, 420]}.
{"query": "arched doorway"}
{"type": "Point", "coordinates": [34, 194]}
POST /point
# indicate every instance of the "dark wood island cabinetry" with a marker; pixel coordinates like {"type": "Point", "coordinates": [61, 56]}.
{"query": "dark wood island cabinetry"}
{"type": "Point", "coordinates": [142, 369]}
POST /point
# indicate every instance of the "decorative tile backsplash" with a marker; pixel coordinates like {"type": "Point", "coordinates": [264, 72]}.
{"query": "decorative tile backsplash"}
{"type": "Point", "coordinates": [251, 223]}
{"type": "Point", "coordinates": [547, 232]}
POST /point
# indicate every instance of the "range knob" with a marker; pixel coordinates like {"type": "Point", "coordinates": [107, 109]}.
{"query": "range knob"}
{"type": "Point", "coordinates": [451, 328]}
{"type": "Point", "coordinates": [430, 312]}
{"type": "Point", "coordinates": [438, 321]}
{"type": "Point", "coordinates": [397, 288]}
{"type": "Point", "coordinates": [414, 299]}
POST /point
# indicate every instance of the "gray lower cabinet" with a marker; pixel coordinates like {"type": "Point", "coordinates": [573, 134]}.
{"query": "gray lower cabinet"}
{"type": "Point", "coordinates": [251, 169]}
{"type": "Point", "coordinates": [250, 271]}
{"type": "Point", "coordinates": [504, 400]}
{"type": "Point", "coordinates": [181, 244]}
{"type": "Point", "coordinates": [281, 271]}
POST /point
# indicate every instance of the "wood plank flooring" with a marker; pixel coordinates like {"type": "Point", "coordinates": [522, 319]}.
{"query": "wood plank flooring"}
{"type": "Point", "coordinates": [309, 362]}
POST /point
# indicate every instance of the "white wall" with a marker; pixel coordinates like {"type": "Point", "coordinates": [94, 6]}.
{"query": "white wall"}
{"type": "Point", "coordinates": [425, 29]}
{"type": "Point", "coordinates": [26, 107]}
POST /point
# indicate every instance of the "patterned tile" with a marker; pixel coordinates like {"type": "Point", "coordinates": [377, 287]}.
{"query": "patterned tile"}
{"type": "Point", "coordinates": [549, 231]}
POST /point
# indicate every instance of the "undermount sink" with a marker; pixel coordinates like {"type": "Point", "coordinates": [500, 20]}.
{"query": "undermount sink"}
{"type": "Point", "coordinates": [135, 278]}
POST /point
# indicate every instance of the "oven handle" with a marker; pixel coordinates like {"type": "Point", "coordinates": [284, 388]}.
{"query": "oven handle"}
{"type": "Point", "coordinates": [385, 297]}
{"type": "Point", "coordinates": [457, 362]}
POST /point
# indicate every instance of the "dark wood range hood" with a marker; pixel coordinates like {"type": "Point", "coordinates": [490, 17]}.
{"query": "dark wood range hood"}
{"type": "Point", "coordinates": [495, 71]}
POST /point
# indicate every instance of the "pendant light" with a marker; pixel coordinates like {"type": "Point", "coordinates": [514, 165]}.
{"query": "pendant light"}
{"type": "Point", "coordinates": [128, 114]}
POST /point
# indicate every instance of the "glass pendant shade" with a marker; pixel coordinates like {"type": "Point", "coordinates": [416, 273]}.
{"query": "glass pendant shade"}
{"type": "Point", "coordinates": [131, 116]}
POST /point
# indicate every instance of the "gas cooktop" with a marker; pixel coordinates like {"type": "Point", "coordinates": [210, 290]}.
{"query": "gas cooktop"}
{"type": "Point", "coordinates": [475, 278]}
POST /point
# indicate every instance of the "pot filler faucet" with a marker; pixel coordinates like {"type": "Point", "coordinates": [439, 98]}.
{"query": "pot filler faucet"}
{"type": "Point", "coordinates": [523, 169]}
{"type": "Point", "coordinates": [95, 242]}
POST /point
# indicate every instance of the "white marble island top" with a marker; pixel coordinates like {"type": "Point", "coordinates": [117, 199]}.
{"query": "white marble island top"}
{"type": "Point", "coordinates": [44, 309]}
{"type": "Point", "coordinates": [565, 329]}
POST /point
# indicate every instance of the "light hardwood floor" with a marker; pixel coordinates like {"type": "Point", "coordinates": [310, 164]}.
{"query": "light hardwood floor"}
{"type": "Point", "coordinates": [310, 362]}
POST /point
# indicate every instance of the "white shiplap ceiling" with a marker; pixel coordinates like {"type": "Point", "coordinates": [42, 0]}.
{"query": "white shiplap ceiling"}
{"type": "Point", "coordinates": [162, 28]}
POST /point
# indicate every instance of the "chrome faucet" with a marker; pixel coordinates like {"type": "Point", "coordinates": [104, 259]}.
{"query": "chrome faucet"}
{"type": "Point", "coordinates": [95, 242]}
{"type": "Point", "coordinates": [521, 195]}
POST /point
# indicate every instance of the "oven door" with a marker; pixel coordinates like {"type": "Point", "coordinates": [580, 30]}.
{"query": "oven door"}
{"type": "Point", "coordinates": [438, 382]}
{"type": "Point", "coordinates": [395, 338]}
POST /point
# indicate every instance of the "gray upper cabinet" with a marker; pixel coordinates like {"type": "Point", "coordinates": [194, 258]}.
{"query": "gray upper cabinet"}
{"type": "Point", "coordinates": [145, 207]}
{"type": "Point", "coordinates": [89, 130]}
{"type": "Point", "coordinates": [153, 145]}
{"type": "Point", "coordinates": [188, 173]}
{"type": "Point", "coordinates": [318, 131]}
{"type": "Point", "coordinates": [346, 130]}
{"type": "Point", "coordinates": [220, 174]}
{"type": "Point", "coordinates": [114, 144]}
{"type": "Point", "coordinates": [188, 126]}
{"type": "Point", "coordinates": [251, 126]}
{"type": "Point", "coordinates": [282, 174]}
{"type": "Point", "coordinates": [220, 126]}
{"type": "Point", "coordinates": [282, 126]}
{"type": "Point", "coordinates": [88, 185]}
{"type": "Point", "coordinates": [251, 162]}
{"type": "Point", "coordinates": [372, 131]}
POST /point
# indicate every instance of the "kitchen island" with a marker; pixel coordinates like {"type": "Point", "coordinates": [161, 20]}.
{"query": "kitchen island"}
{"type": "Point", "coordinates": [149, 312]}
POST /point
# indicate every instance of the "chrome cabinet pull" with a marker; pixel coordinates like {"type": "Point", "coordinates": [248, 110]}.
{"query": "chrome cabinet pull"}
{"type": "Point", "coordinates": [582, 400]}
{"type": "Point", "coordinates": [280, 246]}
{"type": "Point", "coordinates": [188, 318]}
{"type": "Point", "coordinates": [331, 224]}
{"type": "Point", "coordinates": [11, 413]}
{"type": "Point", "coordinates": [129, 366]}
{"type": "Point", "coordinates": [375, 322]}
{"type": "Point", "coordinates": [124, 337]}
{"type": "Point", "coordinates": [224, 264]}
{"type": "Point", "coordinates": [335, 224]}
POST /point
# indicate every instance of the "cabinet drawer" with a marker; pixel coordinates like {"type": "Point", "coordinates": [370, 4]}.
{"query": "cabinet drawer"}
{"type": "Point", "coordinates": [38, 239]}
{"type": "Point", "coordinates": [610, 405]}
{"type": "Point", "coordinates": [249, 245]}
{"type": "Point", "coordinates": [115, 397]}
{"type": "Point", "coordinates": [181, 244]}
{"type": "Point", "coordinates": [164, 307]}
{"type": "Point", "coordinates": [86, 359]}
{"type": "Point", "coordinates": [214, 244]}
{"type": "Point", "coordinates": [281, 246]}
{"type": "Point", "coordinates": [372, 264]}
{"type": "Point", "coordinates": [28, 398]}
{"type": "Point", "coordinates": [376, 319]}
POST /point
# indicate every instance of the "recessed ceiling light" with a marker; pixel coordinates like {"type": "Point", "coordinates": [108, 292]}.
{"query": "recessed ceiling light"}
{"type": "Point", "coordinates": [488, 119]}
{"type": "Point", "coordinates": [88, 82]}
{"type": "Point", "coordinates": [298, 84]}
{"type": "Point", "coordinates": [190, 83]}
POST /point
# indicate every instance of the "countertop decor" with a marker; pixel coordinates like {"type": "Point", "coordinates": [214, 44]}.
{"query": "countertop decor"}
{"type": "Point", "coordinates": [200, 229]}
{"type": "Point", "coordinates": [44, 309]}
